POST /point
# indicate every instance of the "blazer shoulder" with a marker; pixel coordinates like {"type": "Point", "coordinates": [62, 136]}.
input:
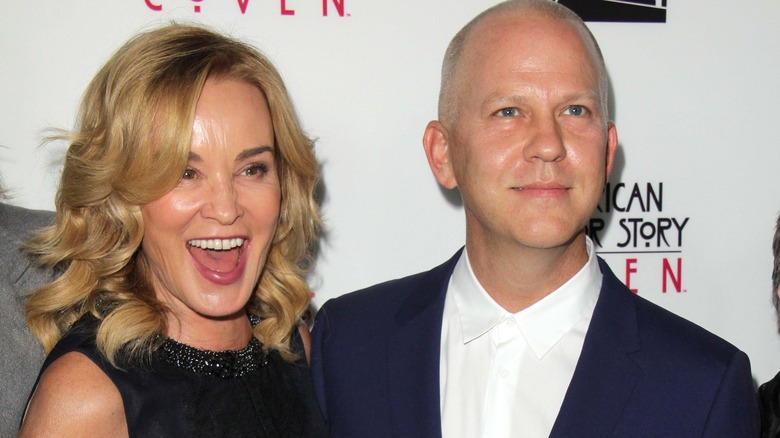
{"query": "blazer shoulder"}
{"type": "Point", "coordinates": [679, 367]}
{"type": "Point", "coordinates": [18, 222]}
{"type": "Point", "coordinates": [387, 298]}
{"type": "Point", "coordinates": [664, 328]}
{"type": "Point", "coordinates": [659, 330]}
{"type": "Point", "coordinates": [17, 225]}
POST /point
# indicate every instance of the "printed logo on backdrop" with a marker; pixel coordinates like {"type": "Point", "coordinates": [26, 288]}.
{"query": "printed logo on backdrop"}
{"type": "Point", "coordinates": [638, 238]}
{"type": "Point", "coordinates": [324, 8]}
{"type": "Point", "coordinates": [626, 11]}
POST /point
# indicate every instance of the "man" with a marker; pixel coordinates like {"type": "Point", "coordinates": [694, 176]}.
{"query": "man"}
{"type": "Point", "coordinates": [21, 355]}
{"type": "Point", "coordinates": [525, 332]}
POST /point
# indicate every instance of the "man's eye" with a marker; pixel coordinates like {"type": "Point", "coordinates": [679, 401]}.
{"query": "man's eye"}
{"type": "Point", "coordinates": [508, 112]}
{"type": "Point", "coordinates": [575, 110]}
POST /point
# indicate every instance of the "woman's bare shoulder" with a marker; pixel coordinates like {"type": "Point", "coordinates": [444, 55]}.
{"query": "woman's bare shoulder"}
{"type": "Point", "coordinates": [303, 329]}
{"type": "Point", "coordinates": [74, 398]}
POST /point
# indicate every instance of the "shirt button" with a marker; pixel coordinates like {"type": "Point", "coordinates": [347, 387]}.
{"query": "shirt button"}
{"type": "Point", "coordinates": [510, 322]}
{"type": "Point", "coordinates": [504, 374]}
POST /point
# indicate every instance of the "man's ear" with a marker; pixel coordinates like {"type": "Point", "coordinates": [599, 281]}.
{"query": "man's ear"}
{"type": "Point", "coordinates": [612, 143]}
{"type": "Point", "coordinates": [437, 150]}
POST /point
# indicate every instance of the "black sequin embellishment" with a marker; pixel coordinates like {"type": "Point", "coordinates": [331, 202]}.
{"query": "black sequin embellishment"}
{"type": "Point", "coordinates": [227, 364]}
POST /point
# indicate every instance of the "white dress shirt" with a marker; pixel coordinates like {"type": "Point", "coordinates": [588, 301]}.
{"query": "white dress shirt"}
{"type": "Point", "coordinates": [505, 375]}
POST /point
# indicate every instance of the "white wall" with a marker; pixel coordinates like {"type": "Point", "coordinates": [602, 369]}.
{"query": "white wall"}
{"type": "Point", "coordinates": [695, 101]}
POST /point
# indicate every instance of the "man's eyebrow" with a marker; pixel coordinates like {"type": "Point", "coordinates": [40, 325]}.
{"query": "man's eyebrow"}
{"type": "Point", "coordinates": [591, 95]}
{"type": "Point", "coordinates": [245, 154]}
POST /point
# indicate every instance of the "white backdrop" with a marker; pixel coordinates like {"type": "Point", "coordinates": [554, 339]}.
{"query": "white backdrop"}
{"type": "Point", "coordinates": [695, 101]}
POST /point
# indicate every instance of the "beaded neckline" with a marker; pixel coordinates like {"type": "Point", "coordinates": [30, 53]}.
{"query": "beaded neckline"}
{"type": "Point", "coordinates": [227, 364]}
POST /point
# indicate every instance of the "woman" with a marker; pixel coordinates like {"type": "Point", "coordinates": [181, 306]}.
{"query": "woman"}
{"type": "Point", "coordinates": [184, 215]}
{"type": "Point", "coordinates": [769, 392]}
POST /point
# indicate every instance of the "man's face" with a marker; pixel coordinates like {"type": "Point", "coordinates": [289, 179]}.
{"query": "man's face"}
{"type": "Point", "coordinates": [529, 148]}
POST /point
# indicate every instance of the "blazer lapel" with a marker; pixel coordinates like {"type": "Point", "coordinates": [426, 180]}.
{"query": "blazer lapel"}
{"type": "Point", "coordinates": [605, 375]}
{"type": "Point", "coordinates": [413, 349]}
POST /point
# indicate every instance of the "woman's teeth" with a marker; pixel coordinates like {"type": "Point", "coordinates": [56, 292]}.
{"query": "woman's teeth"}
{"type": "Point", "coordinates": [220, 244]}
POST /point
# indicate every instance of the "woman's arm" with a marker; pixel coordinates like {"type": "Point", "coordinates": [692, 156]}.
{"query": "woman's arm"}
{"type": "Point", "coordinates": [74, 398]}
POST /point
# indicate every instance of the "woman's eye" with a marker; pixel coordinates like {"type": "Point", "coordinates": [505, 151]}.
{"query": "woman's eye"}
{"type": "Point", "coordinates": [575, 110]}
{"type": "Point", "coordinates": [508, 112]}
{"type": "Point", "coordinates": [256, 169]}
{"type": "Point", "coordinates": [188, 174]}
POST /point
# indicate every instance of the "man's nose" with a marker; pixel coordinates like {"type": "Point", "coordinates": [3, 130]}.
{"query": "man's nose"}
{"type": "Point", "coordinates": [546, 141]}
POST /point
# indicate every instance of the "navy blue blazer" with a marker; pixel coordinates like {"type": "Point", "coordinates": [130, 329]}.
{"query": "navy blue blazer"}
{"type": "Point", "coordinates": [643, 371]}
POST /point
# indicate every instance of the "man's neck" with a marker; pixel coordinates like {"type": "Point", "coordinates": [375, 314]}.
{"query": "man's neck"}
{"type": "Point", "coordinates": [516, 277]}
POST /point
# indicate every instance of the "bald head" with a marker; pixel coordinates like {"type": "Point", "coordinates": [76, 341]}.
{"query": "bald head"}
{"type": "Point", "coordinates": [452, 77]}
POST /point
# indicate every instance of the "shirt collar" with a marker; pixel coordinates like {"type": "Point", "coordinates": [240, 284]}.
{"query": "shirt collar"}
{"type": "Point", "coordinates": [543, 323]}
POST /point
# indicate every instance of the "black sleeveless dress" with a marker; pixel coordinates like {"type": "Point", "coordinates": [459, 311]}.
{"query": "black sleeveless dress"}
{"type": "Point", "coordinates": [769, 404]}
{"type": "Point", "coordinates": [185, 392]}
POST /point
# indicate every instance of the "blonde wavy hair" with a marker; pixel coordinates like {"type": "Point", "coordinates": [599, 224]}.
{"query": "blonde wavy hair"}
{"type": "Point", "coordinates": [130, 147]}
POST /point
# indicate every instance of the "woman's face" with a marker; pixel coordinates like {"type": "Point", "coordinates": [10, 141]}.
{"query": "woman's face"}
{"type": "Point", "coordinates": [207, 239]}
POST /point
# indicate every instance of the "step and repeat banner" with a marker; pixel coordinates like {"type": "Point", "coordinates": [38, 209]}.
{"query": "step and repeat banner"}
{"type": "Point", "coordinates": [686, 219]}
